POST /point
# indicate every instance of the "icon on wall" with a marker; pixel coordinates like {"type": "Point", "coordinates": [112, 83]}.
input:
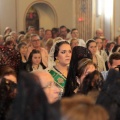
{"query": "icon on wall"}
{"type": "Point", "coordinates": [32, 18]}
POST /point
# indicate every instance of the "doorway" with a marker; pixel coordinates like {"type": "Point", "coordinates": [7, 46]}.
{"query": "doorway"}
{"type": "Point", "coordinates": [41, 14]}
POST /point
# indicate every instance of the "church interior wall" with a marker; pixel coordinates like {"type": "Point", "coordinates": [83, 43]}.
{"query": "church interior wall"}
{"type": "Point", "coordinates": [12, 14]}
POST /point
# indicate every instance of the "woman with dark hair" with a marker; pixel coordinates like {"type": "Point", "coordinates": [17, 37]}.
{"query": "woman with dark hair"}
{"type": "Point", "coordinates": [8, 83]}
{"type": "Point", "coordinates": [22, 48]}
{"type": "Point", "coordinates": [34, 61]}
{"type": "Point", "coordinates": [92, 84]}
{"type": "Point", "coordinates": [116, 48]}
{"type": "Point", "coordinates": [7, 95]}
{"type": "Point", "coordinates": [61, 52]}
{"type": "Point", "coordinates": [97, 59]}
{"type": "Point", "coordinates": [92, 81]}
{"type": "Point", "coordinates": [10, 44]}
{"type": "Point", "coordinates": [80, 66]}
{"type": "Point", "coordinates": [109, 47]}
{"type": "Point", "coordinates": [30, 102]}
{"type": "Point", "coordinates": [100, 50]}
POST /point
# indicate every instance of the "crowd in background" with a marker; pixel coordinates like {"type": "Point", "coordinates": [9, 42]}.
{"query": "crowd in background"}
{"type": "Point", "coordinates": [55, 74]}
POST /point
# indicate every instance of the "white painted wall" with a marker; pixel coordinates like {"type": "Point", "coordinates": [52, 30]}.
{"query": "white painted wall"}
{"type": "Point", "coordinates": [7, 14]}
{"type": "Point", "coordinates": [46, 16]}
{"type": "Point", "coordinates": [117, 17]}
{"type": "Point", "coordinates": [12, 9]}
{"type": "Point", "coordinates": [65, 12]}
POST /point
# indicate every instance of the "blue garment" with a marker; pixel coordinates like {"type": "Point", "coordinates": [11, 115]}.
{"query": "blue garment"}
{"type": "Point", "coordinates": [104, 74]}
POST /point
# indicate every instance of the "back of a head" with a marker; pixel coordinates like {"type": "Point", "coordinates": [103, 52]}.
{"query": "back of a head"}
{"type": "Point", "coordinates": [110, 95]}
{"type": "Point", "coordinates": [116, 48]}
{"type": "Point", "coordinates": [82, 109]}
{"type": "Point", "coordinates": [62, 26]}
{"type": "Point", "coordinates": [83, 112]}
{"type": "Point", "coordinates": [30, 27]}
{"type": "Point", "coordinates": [49, 42]}
{"type": "Point", "coordinates": [43, 76]}
{"type": "Point", "coordinates": [93, 81]}
{"type": "Point", "coordinates": [30, 102]}
{"type": "Point", "coordinates": [69, 103]}
{"type": "Point", "coordinates": [55, 30]}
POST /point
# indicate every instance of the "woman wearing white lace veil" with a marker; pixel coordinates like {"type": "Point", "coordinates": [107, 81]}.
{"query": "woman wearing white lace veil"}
{"type": "Point", "coordinates": [61, 54]}
{"type": "Point", "coordinates": [51, 61]}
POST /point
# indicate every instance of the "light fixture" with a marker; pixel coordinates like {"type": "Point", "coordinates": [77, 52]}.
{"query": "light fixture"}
{"type": "Point", "coordinates": [108, 8]}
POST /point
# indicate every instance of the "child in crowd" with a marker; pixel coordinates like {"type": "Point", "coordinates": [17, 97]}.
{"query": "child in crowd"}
{"type": "Point", "coordinates": [34, 61]}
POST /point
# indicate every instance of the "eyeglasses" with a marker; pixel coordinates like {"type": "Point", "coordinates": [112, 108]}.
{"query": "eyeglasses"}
{"type": "Point", "coordinates": [36, 40]}
{"type": "Point", "coordinates": [117, 68]}
{"type": "Point", "coordinates": [50, 85]}
{"type": "Point", "coordinates": [8, 83]}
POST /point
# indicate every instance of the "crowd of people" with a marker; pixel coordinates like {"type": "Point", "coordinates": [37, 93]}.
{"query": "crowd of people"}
{"type": "Point", "coordinates": [56, 75]}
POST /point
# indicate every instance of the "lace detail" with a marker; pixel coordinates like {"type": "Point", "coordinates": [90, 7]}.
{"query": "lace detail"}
{"type": "Point", "coordinates": [52, 50]}
{"type": "Point", "coordinates": [51, 59]}
{"type": "Point", "coordinates": [9, 57]}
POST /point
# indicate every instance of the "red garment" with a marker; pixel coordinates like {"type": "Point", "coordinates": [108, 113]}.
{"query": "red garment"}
{"type": "Point", "coordinates": [10, 57]}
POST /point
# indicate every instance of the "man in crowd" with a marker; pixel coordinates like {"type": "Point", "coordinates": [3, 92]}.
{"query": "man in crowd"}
{"type": "Point", "coordinates": [36, 44]}
{"type": "Point", "coordinates": [75, 35]}
{"type": "Point", "coordinates": [48, 35]}
{"type": "Point", "coordinates": [48, 85]}
{"type": "Point", "coordinates": [31, 30]}
{"type": "Point", "coordinates": [99, 33]}
{"type": "Point", "coordinates": [113, 63]}
{"type": "Point", "coordinates": [41, 33]}
{"type": "Point", "coordinates": [64, 33]}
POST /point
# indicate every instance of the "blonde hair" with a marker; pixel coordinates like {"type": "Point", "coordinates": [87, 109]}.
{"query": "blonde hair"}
{"type": "Point", "coordinates": [73, 40]}
{"type": "Point", "coordinates": [49, 44]}
{"type": "Point", "coordinates": [68, 103]}
{"type": "Point", "coordinates": [82, 107]}
{"type": "Point", "coordinates": [86, 112]}
{"type": "Point", "coordinates": [1, 37]}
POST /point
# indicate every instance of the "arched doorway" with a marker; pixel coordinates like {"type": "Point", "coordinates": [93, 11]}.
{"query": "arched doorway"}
{"type": "Point", "coordinates": [32, 18]}
{"type": "Point", "coordinates": [46, 16]}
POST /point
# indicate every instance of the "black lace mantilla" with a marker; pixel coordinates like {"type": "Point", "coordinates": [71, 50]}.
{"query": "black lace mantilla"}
{"type": "Point", "coordinates": [9, 57]}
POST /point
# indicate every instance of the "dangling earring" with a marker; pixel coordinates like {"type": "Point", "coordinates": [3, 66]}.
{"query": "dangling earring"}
{"type": "Point", "coordinates": [57, 61]}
